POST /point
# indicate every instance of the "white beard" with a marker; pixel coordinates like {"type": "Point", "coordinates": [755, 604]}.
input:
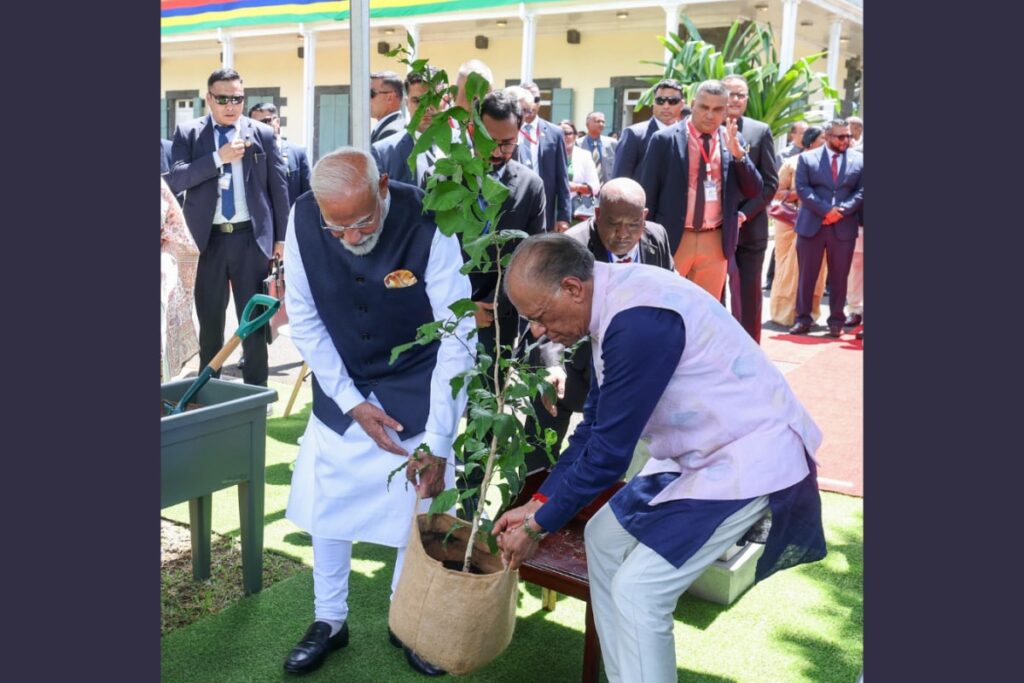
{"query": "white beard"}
{"type": "Point", "coordinates": [364, 247]}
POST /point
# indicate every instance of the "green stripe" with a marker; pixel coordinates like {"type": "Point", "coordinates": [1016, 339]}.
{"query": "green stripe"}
{"type": "Point", "coordinates": [391, 12]}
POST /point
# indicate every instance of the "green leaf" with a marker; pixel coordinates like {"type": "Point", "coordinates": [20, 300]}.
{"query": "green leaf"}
{"type": "Point", "coordinates": [504, 427]}
{"type": "Point", "coordinates": [399, 350]}
{"type": "Point", "coordinates": [462, 307]}
{"type": "Point", "coordinates": [447, 195]}
{"type": "Point", "coordinates": [444, 501]}
{"type": "Point", "coordinates": [412, 44]}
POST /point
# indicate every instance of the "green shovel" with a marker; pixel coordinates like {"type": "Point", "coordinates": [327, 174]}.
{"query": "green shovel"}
{"type": "Point", "coordinates": [247, 326]}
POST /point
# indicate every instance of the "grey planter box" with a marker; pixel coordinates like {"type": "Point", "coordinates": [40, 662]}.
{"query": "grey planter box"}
{"type": "Point", "coordinates": [207, 449]}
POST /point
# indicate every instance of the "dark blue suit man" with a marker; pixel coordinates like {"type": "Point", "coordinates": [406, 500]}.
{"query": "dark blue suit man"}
{"type": "Point", "coordinates": [165, 156]}
{"type": "Point", "coordinates": [236, 240]}
{"type": "Point", "coordinates": [666, 177]}
{"type": "Point", "coordinates": [392, 153]}
{"type": "Point", "coordinates": [667, 107]}
{"type": "Point", "coordinates": [298, 162]}
{"type": "Point", "coordinates": [392, 157]}
{"type": "Point", "coordinates": [830, 182]}
{"type": "Point", "coordinates": [547, 141]}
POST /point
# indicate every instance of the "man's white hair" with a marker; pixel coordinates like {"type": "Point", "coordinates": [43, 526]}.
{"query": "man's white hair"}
{"type": "Point", "coordinates": [475, 65]}
{"type": "Point", "coordinates": [343, 171]}
{"type": "Point", "coordinates": [520, 93]}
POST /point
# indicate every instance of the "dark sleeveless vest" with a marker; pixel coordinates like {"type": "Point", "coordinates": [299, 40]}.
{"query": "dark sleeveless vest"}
{"type": "Point", "coordinates": [364, 318]}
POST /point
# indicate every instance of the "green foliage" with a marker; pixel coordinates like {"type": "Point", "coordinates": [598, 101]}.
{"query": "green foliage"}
{"type": "Point", "coordinates": [778, 98]}
{"type": "Point", "coordinates": [466, 202]}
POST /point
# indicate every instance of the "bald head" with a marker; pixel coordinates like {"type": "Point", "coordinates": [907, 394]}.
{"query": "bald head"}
{"type": "Point", "coordinates": [620, 215]}
{"type": "Point", "coordinates": [472, 66]}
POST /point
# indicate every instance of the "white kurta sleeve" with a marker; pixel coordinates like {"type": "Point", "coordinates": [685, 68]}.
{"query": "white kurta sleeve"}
{"type": "Point", "coordinates": [308, 332]}
{"type": "Point", "coordinates": [446, 285]}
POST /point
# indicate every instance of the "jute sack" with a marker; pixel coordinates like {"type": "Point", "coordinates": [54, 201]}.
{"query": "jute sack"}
{"type": "Point", "coordinates": [456, 620]}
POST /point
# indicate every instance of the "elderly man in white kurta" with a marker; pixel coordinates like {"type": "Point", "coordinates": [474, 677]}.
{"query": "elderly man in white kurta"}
{"type": "Point", "coordinates": [675, 376]}
{"type": "Point", "coordinates": [366, 268]}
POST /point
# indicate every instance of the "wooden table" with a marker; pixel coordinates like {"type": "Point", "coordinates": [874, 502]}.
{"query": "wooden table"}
{"type": "Point", "coordinates": [560, 566]}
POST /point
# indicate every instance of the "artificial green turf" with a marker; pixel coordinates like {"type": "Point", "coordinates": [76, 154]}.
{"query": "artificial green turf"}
{"type": "Point", "coordinates": [803, 624]}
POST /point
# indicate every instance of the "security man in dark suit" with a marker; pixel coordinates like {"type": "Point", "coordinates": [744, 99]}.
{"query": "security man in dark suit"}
{"type": "Point", "coordinates": [618, 233]}
{"type": "Point", "coordinates": [752, 242]}
{"type": "Point", "coordinates": [237, 209]}
{"type": "Point", "coordinates": [298, 161]}
{"type": "Point", "coordinates": [666, 111]}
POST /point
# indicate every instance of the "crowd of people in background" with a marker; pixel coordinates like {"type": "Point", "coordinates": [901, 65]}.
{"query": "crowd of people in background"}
{"type": "Point", "coordinates": [693, 191]}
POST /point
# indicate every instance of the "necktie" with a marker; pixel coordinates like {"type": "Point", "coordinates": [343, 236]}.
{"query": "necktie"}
{"type": "Point", "coordinates": [527, 129]}
{"type": "Point", "coordinates": [698, 202]}
{"type": "Point", "coordinates": [595, 151]}
{"type": "Point", "coordinates": [227, 197]}
{"type": "Point", "coordinates": [835, 168]}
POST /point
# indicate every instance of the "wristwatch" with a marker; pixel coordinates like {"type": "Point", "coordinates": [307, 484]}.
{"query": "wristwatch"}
{"type": "Point", "coordinates": [535, 535]}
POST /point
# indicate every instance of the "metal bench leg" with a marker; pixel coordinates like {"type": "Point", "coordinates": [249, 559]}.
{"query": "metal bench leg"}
{"type": "Point", "coordinates": [295, 389]}
{"type": "Point", "coordinates": [200, 518]}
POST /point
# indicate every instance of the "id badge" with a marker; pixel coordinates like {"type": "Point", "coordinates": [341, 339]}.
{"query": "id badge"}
{"type": "Point", "coordinates": [710, 191]}
{"type": "Point", "coordinates": [224, 181]}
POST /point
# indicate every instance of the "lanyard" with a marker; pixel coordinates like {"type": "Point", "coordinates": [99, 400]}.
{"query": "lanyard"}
{"type": "Point", "coordinates": [533, 141]}
{"type": "Point", "coordinates": [700, 146]}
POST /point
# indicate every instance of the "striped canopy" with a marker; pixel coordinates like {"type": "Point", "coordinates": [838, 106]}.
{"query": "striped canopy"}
{"type": "Point", "coordinates": [182, 16]}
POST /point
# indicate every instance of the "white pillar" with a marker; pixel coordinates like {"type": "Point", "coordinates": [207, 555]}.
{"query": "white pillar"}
{"type": "Point", "coordinates": [835, 32]}
{"type": "Point", "coordinates": [227, 49]}
{"type": "Point", "coordinates": [672, 11]}
{"type": "Point", "coordinates": [308, 87]}
{"type": "Point", "coordinates": [788, 43]}
{"type": "Point", "coordinates": [359, 43]}
{"type": "Point", "coordinates": [414, 31]}
{"type": "Point", "coordinates": [529, 40]}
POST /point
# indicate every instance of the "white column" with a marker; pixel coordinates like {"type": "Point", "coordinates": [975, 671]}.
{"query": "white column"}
{"type": "Point", "coordinates": [414, 31]}
{"type": "Point", "coordinates": [672, 11]}
{"type": "Point", "coordinates": [788, 43]}
{"type": "Point", "coordinates": [529, 40]}
{"type": "Point", "coordinates": [308, 86]}
{"type": "Point", "coordinates": [359, 43]}
{"type": "Point", "coordinates": [227, 49]}
{"type": "Point", "coordinates": [835, 32]}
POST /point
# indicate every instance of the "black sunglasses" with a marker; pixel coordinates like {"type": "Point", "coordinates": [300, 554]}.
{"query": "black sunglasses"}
{"type": "Point", "coordinates": [227, 99]}
{"type": "Point", "coordinates": [536, 100]}
{"type": "Point", "coordinates": [842, 137]}
{"type": "Point", "coordinates": [668, 100]}
{"type": "Point", "coordinates": [269, 121]}
{"type": "Point", "coordinates": [374, 93]}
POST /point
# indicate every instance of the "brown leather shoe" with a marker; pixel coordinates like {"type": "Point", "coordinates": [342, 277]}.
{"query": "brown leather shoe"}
{"type": "Point", "coordinates": [800, 328]}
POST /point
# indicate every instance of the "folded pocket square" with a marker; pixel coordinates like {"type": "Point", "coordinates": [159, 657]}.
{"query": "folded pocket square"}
{"type": "Point", "coordinates": [399, 278]}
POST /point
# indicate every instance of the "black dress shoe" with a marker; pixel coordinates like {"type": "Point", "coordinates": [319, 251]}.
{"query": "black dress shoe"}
{"type": "Point", "coordinates": [835, 330]}
{"type": "Point", "coordinates": [416, 663]}
{"type": "Point", "coordinates": [853, 320]}
{"type": "Point", "coordinates": [314, 646]}
{"type": "Point", "coordinates": [860, 335]}
{"type": "Point", "coordinates": [800, 328]}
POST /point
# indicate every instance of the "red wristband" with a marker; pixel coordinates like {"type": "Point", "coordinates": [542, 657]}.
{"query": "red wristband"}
{"type": "Point", "coordinates": [539, 496]}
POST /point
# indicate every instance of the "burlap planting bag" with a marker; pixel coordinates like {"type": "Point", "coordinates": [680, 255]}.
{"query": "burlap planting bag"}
{"type": "Point", "coordinates": [456, 620]}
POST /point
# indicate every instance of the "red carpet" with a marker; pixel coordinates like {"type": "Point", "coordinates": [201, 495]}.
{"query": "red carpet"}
{"type": "Point", "coordinates": [826, 374]}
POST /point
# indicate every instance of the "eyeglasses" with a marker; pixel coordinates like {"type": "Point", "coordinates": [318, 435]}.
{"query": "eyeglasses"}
{"type": "Point", "coordinates": [508, 146]}
{"type": "Point", "coordinates": [361, 225]}
{"type": "Point", "coordinates": [738, 95]}
{"type": "Point", "coordinates": [223, 100]}
{"type": "Point", "coordinates": [569, 134]}
{"type": "Point", "coordinates": [374, 93]}
{"type": "Point", "coordinates": [269, 121]}
{"type": "Point", "coordinates": [668, 100]}
{"type": "Point", "coordinates": [845, 136]}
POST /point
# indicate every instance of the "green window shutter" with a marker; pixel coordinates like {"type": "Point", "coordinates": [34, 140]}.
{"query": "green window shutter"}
{"type": "Point", "coordinates": [334, 123]}
{"type": "Point", "coordinates": [197, 106]}
{"type": "Point", "coordinates": [604, 102]}
{"type": "Point", "coordinates": [561, 104]}
{"type": "Point", "coordinates": [163, 119]}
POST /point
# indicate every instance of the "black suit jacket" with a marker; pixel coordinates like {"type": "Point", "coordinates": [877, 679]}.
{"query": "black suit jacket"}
{"type": "Point", "coordinates": [264, 169]}
{"type": "Point", "coordinates": [392, 157]}
{"type": "Point", "coordinates": [762, 153]}
{"type": "Point", "coordinates": [629, 155]}
{"type": "Point", "coordinates": [387, 126]}
{"type": "Point", "coordinates": [665, 178]}
{"type": "Point", "coordinates": [552, 167]}
{"type": "Point", "coordinates": [165, 156]}
{"type": "Point", "coordinates": [523, 209]}
{"type": "Point", "coordinates": [298, 170]}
